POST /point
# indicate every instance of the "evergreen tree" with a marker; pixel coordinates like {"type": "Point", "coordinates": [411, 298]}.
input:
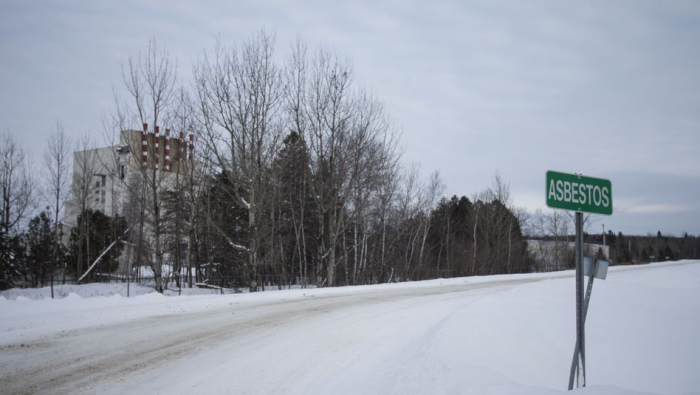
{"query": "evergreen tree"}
{"type": "Point", "coordinates": [668, 254]}
{"type": "Point", "coordinates": [11, 259]}
{"type": "Point", "coordinates": [645, 255]}
{"type": "Point", "coordinates": [102, 233]}
{"type": "Point", "coordinates": [226, 224]}
{"type": "Point", "coordinates": [40, 265]}
{"type": "Point", "coordinates": [294, 210]}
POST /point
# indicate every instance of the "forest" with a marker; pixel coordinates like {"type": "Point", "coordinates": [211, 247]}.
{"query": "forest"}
{"type": "Point", "coordinates": [296, 178]}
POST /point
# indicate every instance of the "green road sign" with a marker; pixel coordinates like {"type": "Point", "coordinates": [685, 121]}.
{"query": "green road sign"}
{"type": "Point", "coordinates": [579, 193]}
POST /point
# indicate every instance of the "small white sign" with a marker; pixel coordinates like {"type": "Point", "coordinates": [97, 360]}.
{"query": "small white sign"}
{"type": "Point", "coordinates": [601, 267]}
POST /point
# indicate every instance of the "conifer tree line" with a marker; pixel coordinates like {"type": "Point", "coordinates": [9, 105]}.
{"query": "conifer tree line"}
{"type": "Point", "coordinates": [295, 179]}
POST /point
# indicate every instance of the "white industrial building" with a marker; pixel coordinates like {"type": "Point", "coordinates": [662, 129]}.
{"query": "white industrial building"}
{"type": "Point", "coordinates": [103, 177]}
{"type": "Point", "coordinates": [101, 174]}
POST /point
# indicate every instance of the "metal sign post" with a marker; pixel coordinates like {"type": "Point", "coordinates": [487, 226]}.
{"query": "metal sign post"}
{"type": "Point", "coordinates": [593, 269]}
{"type": "Point", "coordinates": [581, 194]}
{"type": "Point", "coordinates": [580, 321]}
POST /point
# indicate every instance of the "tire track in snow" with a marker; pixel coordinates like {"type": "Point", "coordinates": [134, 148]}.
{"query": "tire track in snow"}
{"type": "Point", "coordinates": [84, 360]}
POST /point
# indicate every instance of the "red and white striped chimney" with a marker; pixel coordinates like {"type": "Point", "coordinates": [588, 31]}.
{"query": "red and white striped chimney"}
{"type": "Point", "coordinates": [167, 150]}
{"type": "Point", "coordinates": [144, 145]}
{"type": "Point", "coordinates": [156, 140]}
{"type": "Point", "coordinates": [181, 147]}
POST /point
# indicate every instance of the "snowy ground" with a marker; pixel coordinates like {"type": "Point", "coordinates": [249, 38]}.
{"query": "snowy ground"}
{"type": "Point", "coordinates": [485, 335]}
{"type": "Point", "coordinates": [121, 289]}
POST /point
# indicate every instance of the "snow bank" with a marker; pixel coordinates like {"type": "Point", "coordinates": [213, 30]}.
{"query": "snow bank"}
{"type": "Point", "coordinates": [83, 291]}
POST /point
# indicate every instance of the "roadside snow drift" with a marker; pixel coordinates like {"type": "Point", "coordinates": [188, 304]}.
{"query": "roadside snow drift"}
{"type": "Point", "coordinates": [486, 335]}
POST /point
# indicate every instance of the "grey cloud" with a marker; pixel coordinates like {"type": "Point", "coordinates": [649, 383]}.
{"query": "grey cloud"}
{"type": "Point", "coordinates": [606, 89]}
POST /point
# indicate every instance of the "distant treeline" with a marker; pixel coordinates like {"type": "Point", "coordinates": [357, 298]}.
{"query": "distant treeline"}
{"type": "Point", "coordinates": [649, 248]}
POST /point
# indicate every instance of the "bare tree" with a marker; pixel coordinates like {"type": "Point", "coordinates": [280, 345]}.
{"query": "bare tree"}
{"type": "Point", "coordinates": [432, 191]}
{"type": "Point", "coordinates": [240, 95]}
{"type": "Point", "coordinates": [504, 220]}
{"type": "Point", "coordinates": [480, 200]}
{"type": "Point", "coordinates": [348, 135]}
{"type": "Point", "coordinates": [16, 182]}
{"type": "Point", "coordinates": [150, 80]}
{"type": "Point", "coordinates": [409, 210]}
{"type": "Point", "coordinates": [16, 200]}
{"type": "Point", "coordinates": [558, 227]}
{"type": "Point", "coordinates": [84, 166]}
{"type": "Point", "coordinates": [190, 181]}
{"type": "Point", "coordinates": [294, 106]}
{"type": "Point", "coordinates": [538, 229]}
{"type": "Point", "coordinates": [57, 181]}
{"type": "Point", "coordinates": [388, 177]}
{"type": "Point", "coordinates": [328, 138]}
{"type": "Point", "coordinates": [197, 176]}
{"type": "Point", "coordinates": [135, 212]}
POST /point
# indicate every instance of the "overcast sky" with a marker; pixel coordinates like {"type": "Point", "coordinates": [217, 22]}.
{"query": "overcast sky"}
{"type": "Point", "coordinates": [604, 88]}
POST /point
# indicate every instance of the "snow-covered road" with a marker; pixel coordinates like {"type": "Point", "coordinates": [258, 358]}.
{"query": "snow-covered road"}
{"type": "Point", "coordinates": [448, 336]}
{"type": "Point", "coordinates": [233, 346]}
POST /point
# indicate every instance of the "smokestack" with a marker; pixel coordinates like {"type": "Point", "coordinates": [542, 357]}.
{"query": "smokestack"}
{"type": "Point", "coordinates": [156, 141]}
{"type": "Point", "coordinates": [167, 150]}
{"type": "Point", "coordinates": [144, 146]}
{"type": "Point", "coordinates": [181, 147]}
